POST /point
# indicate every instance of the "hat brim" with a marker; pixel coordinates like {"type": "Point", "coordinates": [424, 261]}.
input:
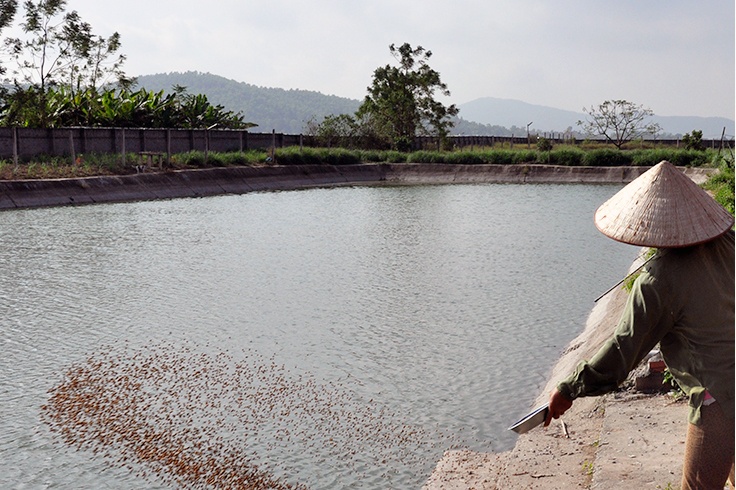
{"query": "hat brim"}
{"type": "Point", "coordinates": [662, 208]}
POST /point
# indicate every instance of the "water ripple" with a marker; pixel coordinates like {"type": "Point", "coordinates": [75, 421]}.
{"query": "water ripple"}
{"type": "Point", "coordinates": [436, 302]}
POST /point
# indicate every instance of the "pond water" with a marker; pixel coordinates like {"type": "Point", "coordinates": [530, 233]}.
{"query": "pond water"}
{"type": "Point", "coordinates": [331, 337]}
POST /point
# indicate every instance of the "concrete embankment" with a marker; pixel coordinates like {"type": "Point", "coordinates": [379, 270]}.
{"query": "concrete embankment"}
{"type": "Point", "coordinates": [16, 194]}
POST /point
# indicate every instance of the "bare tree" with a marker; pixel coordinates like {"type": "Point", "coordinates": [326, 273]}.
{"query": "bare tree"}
{"type": "Point", "coordinates": [619, 121]}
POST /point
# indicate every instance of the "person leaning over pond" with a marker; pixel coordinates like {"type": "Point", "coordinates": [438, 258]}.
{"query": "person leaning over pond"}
{"type": "Point", "coordinates": [684, 300]}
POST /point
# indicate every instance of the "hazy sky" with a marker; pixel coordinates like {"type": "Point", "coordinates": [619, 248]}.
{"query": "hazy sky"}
{"type": "Point", "coordinates": [674, 56]}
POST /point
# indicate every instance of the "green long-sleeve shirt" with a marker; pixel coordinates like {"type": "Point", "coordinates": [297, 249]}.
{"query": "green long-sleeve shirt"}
{"type": "Point", "coordinates": [684, 299]}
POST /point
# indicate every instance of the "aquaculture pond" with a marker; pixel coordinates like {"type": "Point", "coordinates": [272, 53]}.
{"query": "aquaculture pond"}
{"type": "Point", "coordinates": [324, 338]}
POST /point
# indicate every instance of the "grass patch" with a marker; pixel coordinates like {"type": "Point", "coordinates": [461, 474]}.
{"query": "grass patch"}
{"type": "Point", "coordinates": [566, 156]}
{"type": "Point", "coordinates": [721, 184]}
{"type": "Point", "coordinates": [607, 157]}
{"type": "Point", "coordinates": [46, 167]}
{"type": "Point", "coordinates": [426, 156]}
{"type": "Point", "coordinates": [317, 156]}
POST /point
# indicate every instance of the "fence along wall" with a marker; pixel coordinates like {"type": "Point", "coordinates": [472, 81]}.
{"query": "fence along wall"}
{"type": "Point", "coordinates": [29, 142]}
{"type": "Point", "coordinates": [25, 143]}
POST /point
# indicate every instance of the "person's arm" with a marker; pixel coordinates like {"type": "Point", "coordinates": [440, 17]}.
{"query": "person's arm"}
{"type": "Point", "coordinates": [645, 320]}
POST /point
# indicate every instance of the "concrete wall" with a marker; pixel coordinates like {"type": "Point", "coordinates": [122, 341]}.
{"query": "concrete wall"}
{"type": "Point", "coordinates": [30, 142]}
{"type": "Point", "coordinates": [26, 143]}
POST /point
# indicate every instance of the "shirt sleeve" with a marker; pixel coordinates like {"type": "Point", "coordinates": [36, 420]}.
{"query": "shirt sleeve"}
{"type": "Point", "coordinates": [645, 320]}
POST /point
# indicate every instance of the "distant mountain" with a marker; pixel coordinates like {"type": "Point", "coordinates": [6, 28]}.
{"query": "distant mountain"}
{"type": "Point", "coordinates": [287, 111]}
{"type": "Point", "coordinates": [712, 127]}
{"type": "Point", "coordinates": [515, 113]}
{"type": "Point", "coordinates": [510, 113]}
{"type": "Point", "coordinates": [463, 127]}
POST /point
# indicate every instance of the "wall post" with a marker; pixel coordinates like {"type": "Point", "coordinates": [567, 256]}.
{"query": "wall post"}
{"type": "Point", "coordinates": [273, 146]}
{"type": "Point", "coordinates": [71, 147]}
{"type": "Point", "coordinates": [122, 151]}
{"type": "Point", "coordinates": [168, 147]}
{"type": "Point", "coordinates": [15, 147]}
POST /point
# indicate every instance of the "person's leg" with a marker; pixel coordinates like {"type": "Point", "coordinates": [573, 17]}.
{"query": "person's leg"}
{"type": "Point", "coordinates": [709, 451]}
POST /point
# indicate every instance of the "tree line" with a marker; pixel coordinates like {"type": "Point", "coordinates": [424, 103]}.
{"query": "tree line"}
{"type": "Point", "coordinates": [59, 73]}
{"type": "Point", "coordinates": [62, 74]}
{"type": "Point", "coordinates": [401, 104]}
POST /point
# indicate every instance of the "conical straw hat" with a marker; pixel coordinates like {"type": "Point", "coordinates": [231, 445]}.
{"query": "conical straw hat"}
{"type": "Point", "coordinates": [662, 208]}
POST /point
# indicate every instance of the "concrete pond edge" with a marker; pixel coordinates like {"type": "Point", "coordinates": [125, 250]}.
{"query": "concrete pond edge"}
{"type": "Point", "coordinates": [172, 184]}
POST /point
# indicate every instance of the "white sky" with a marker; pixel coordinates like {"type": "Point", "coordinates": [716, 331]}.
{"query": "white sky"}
{"type": "Point", "coordinates": [675, 57]}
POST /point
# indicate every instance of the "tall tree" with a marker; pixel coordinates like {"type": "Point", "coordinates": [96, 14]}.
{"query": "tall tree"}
{"type": "Point", "coordinates": [401, 101]}
{"type": "Point", "coordinates": [619, 121]}
{"type": "Point", "coordinates": [94, 61]}
{"type": "Point", "coordinates": [8, 8]}
{"type": "Point", "coordinates": [40, 57]}
{"type": "Point", "coordinates": [60, 50]}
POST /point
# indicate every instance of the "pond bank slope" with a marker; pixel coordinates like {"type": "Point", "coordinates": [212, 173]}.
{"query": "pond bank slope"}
{"type": "Point", "coordinates": [624, 440]}
{"type": "Point", "coordinates": [16, 194]}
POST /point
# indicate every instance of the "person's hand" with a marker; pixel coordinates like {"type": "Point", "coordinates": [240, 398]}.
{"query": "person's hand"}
{"type": "Point", "coordinates": [558, 404]}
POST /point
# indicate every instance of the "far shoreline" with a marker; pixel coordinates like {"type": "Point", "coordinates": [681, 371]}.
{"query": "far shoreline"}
{"type": "Point", "coordinates": [23, 194]}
